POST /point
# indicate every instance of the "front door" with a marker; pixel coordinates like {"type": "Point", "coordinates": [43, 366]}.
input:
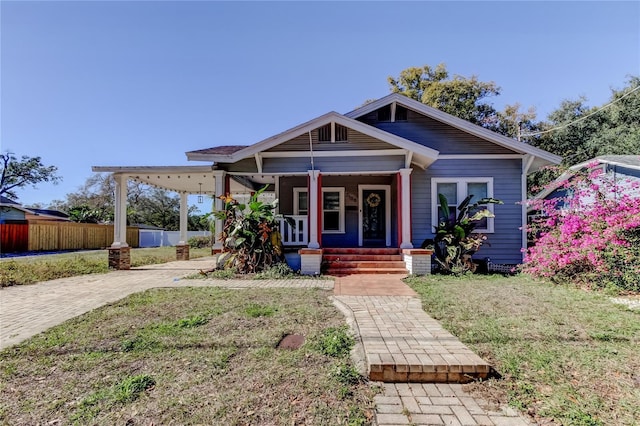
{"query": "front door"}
{"type": "Point", "coordinates": [375, 220]}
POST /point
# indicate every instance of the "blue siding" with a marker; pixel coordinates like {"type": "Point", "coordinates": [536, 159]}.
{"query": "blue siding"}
{"type": "Point", "coordinates": [439, 136]}
{"type": "Point", "coordinates": [503, 246]}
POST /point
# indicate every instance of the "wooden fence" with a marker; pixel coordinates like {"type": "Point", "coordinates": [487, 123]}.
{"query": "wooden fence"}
{"type": "Point", "coordinates": [55, 236]}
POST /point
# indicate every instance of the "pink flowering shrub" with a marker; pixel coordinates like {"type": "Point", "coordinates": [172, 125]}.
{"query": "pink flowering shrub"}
{"type": "Point", "coordinates": [591, 236]}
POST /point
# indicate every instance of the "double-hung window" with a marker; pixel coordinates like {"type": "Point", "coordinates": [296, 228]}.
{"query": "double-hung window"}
{"type": "Point", "coordinates": [456, 190]}
{"type": "Point", "coordinates": [332, 208]}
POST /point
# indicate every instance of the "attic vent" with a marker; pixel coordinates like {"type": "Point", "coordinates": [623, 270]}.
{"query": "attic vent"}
{"type": "Point", "coordinates": [401, 113]}
{"type": "Point", "coordinates": [384, 113]}
{"type": "Point", "coordinates": [341, 133]}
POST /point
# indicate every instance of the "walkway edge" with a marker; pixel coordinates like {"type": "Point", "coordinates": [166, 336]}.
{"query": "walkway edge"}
{"type": "Point", "coordinates": [358, 354]}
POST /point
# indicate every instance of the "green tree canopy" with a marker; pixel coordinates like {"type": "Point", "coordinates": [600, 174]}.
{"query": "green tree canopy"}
{"type": "Point", "coordinates": [466, 98]}
{"type": "Point", "coordinates": [17, 173]}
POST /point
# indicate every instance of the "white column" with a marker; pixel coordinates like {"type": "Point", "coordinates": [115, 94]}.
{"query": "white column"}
{"type": "Point", "coordinates": [120, 220]}
{"type": "Point", "coordinates": [527, 160]}
{"type": "Point", "coordinates": [314, 188]}
{"type": "Point", "coordinates": [405, 217]}
{"type": "Point", "coordinates": [218, 205]}
{"type": "Point", "coordinates": [184, 211]}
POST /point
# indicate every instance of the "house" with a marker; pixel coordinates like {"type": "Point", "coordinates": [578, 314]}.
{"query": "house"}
{"type": "Point", "coordinates": [367, 178]}
{"type": "Point", "coordinates": [11, 211]}
{"type": "Point", "coordinates": [623, 170]}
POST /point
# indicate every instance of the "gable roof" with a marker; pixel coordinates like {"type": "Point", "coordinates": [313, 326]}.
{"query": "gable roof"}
{"type": "Point", "coordinates": [423, 156]}
{"type": "Point", "coordinates": [543, 157]}
{"type": "Point", "coordinates": [627, 161]}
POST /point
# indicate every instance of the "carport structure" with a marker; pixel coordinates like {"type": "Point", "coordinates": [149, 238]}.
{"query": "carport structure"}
{"type": "Point", "coordinates": [184, 180]}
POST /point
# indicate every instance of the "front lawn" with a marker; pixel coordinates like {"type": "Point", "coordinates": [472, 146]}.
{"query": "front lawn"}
{"type": "Point", "coordinates": [32, 269]}
{"type": "Point", "coordinates": [564, 354]}
{"type": "Point", "coordinates": [189, 356]}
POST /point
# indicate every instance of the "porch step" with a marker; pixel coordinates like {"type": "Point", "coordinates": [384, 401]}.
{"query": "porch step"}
{"type": "Point", "coordinates": [361, 250]}
{"type": "Point", "coordinates": [347, 261]}
{"type": "Point", "coordinates": [361, 257]}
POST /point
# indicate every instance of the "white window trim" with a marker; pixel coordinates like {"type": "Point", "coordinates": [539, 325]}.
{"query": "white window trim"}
{"type": "Point", "coordinates": [296, 200]}
{"type": "Point", "coordinates": [341, 210]}
{"type": "Point", "coordinates": [462, 194]}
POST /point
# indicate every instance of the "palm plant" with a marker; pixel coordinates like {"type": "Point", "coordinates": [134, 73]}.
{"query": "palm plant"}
{"type": "Point", "coordinates": [455, 242]}
{"type": "Point", "coordinates": [250, 237]}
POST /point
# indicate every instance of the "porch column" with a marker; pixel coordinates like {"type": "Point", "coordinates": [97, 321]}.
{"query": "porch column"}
{"type": "Point", "coordinates": [218, 205]}
{"type": "Point", "coordinates": [119, 252]}
{"type": "Point", "coordinates": [182, 249]}
{"type": "Point", "coordinates": [314, 207]}
{"type": "Point", "coordinates": [120, 220]}
{"type": "Point", "coordinates": [405, 216]}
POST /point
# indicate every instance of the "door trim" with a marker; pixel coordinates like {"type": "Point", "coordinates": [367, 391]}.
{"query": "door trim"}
{"type": "Point", "coordinates": [387, 213]}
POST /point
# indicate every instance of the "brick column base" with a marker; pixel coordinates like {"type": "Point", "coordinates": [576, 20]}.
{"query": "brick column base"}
{"type": "Point", "coordinates": [120, 258]}
{"type": "Point", "coordinates": [182, 252]}
{"type": "Point", "coordinates": [310, 261]}
{"type": "Point", "coordinates": [418, 261]}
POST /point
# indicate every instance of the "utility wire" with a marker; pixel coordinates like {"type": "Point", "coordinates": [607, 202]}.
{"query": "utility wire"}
{"type": "Point", "coordinates": [581, 118]}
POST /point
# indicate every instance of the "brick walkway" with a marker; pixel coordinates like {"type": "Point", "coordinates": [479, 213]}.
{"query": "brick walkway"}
{"type": "Point", "coordinates": [403, 344]}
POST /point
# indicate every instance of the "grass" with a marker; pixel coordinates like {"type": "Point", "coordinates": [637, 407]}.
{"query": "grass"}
{"type": "Point", "coordinates": [189, 356]}
{"type": "Point", "coordinates": [33, 269]}
{"type": "Point", "coordinates": [563, 353]}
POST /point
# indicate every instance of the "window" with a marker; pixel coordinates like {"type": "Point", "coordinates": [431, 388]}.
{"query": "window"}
{"type": "Point", "coordinates": [300, 201]}
{"type": "Point", "coordinates": [341, 133]}
{"type": "Point", "coordinates": [332, 208]}
{"type": "Point", "coordinates": [456, 190]}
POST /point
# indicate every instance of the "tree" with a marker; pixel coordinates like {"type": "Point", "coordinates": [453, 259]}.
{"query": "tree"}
{"type": "Point", "coordinates": [94, 202]}
{"type": "Point", "coordinates": [18, 173]}
{"type": "Point", "coordinates": [578, 132]}
{"type": "Point", "coordinates": [458, 96]}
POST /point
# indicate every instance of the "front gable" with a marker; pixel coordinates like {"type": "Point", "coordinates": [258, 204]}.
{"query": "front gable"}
{"type": "Point", "coordinates": [350, 141]}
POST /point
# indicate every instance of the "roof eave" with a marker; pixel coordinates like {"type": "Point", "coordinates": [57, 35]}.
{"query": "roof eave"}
{"type": "Point", "coordinates": [456, 122]}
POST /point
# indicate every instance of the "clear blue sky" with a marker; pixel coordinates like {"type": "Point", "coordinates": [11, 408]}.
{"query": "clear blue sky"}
{"type": "Point", "coordinates": [139, 83]}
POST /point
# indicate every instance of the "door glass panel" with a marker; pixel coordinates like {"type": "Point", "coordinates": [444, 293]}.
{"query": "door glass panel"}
{"type": "Point", "coordinates": [374, 217]}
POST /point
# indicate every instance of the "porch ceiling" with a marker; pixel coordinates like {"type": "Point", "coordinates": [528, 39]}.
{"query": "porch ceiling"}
{"type": "Point", "coordinates": [186, 179]}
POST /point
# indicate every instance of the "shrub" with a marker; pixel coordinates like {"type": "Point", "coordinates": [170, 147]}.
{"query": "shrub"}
{"type": "Point", "coordinates": [277, 271]}
{"type": "Point", "coordinates": [590, 236]}
{"type": "Point", "coordinates": [251, 241]}
{"type": "Point", "coordinates": [200, 242]}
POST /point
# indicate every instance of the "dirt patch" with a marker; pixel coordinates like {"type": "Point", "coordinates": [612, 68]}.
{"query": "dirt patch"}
{"type": "Point", "coordinates": [291, 342]}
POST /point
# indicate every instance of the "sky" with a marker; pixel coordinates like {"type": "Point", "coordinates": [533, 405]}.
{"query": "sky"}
{"type": "Point", "coordinates": [125, 83]}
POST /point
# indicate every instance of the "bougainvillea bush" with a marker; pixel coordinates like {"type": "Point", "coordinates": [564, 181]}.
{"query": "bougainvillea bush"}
{"type": "Point", "coordinates": [590, 236]}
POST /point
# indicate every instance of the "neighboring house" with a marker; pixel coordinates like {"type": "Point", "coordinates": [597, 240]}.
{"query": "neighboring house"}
{"type": "Point", "coordinates": [11, 211]}
{"type": "Point", "coordinates": [368, 178]}
{"type": "Point", "coordinates": [47, 215]}
{"type": "Point", "coordinates": [623, 170]}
